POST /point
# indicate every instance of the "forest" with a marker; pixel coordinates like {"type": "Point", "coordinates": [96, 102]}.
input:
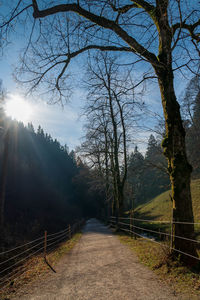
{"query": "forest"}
{"type": "Point", "coordinates": [43, 185]}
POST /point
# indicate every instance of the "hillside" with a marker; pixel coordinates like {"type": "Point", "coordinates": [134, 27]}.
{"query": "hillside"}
{"type": "Point", "coordinates": [42, 185]}
{"type": "Point", "coordinates": [160, 208]}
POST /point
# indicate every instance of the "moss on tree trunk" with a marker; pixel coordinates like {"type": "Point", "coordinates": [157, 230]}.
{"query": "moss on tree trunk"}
{"type": "Point", "coordinates": [179, 170]}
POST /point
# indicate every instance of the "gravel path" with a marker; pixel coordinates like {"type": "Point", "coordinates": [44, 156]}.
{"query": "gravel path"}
{"type": "Point", "coordinates": [99, 268]}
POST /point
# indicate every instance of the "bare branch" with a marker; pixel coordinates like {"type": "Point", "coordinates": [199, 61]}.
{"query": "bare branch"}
{"type": "Point", "coordinates": [99, 20]}
{"type": "Point", "coordinates": [189, 27]}
{"type": "Point", "coordinates": [15, 16]}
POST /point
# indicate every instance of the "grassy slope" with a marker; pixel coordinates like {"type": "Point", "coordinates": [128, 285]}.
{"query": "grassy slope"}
{"type": "Point", "coordinates": [160, 207]}
{"type": "Point", "coordinates": [182, 280]}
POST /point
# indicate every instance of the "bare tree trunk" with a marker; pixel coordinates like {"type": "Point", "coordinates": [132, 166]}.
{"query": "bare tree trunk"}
{"type": "Point", "coordinates": [124, 177]}
{"type": "Point", "coordinates": [107, 173]}
{"type": "Point", "coordinates": [119, 198]}
{"type": "Point", "coordinates": [179, 169]}
{"type": "Point", "coordinates": [114, 200]}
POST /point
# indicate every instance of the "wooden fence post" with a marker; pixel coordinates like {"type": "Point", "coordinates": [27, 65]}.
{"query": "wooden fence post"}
{"type": "Point", "coordinates": [135, 236]}
{"type": "Point", "coordinates": [171, 234]}
{"type": "Point", "coordinates": [79, 225]}
{"type": "Point", "coordinates": [69, 229]}
{"type": "Point", "coordinates": [160, 235]}
{"type": "Point", "coordinates": [131, 225]}
{"type": "Point", "coordinates": [45, 244]}
{"type": "Point", "coordinates": [133, 215]}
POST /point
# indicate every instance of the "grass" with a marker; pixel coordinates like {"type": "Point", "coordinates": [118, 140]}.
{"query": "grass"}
{"type": "Point", "coordinates": [36, 267]}
{"type": "Point", "coordinates": [182, 280]}
{"type": "Point", "coordinates": [160, 207]}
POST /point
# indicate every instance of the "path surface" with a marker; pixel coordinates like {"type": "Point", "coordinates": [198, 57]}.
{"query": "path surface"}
{"type": "Point", "coordinates": [100, 268]}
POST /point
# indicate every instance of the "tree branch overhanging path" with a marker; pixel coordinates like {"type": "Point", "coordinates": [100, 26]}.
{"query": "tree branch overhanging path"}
{"type": "Point", "coordinates": [138, 27]}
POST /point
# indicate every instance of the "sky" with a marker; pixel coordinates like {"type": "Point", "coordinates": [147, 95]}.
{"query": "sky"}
{"type": "Point", "coordinates": [63, 123]}
{"type": "Point", "coordinates": [66, 124]}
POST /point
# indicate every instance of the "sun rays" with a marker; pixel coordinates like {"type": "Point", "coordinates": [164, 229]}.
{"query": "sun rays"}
{"type": "Point", "coordinates": [18, 109]}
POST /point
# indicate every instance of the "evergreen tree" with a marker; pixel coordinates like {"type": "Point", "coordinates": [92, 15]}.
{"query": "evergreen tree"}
{"type": "Point", "coordinates": [155, 175]}
{"type": "Point", "coordinates": [136, 175]}
{"type": "Point", "coordinates": [40, 192]}
{"type": "Point", "coordinates": [148, 175]}
{"type": "Point", "coordinates": [193, 138]}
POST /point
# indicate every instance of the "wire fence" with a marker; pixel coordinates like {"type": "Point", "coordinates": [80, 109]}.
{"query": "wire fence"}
{"type": "Point", "coordinates": [159, 236]}
{"type": "Point", "coordinates": [13, 262]}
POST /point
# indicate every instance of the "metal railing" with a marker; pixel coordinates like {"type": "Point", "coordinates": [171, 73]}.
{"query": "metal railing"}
{"type": "Point", "coordinates": [136, 230]}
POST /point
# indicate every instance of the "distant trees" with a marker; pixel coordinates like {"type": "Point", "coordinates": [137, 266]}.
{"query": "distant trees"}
{"type": "Point", "coordinates": [4, 135]}
{"type": "Point", "coordinates": [191, 114]}
{"type": "Point", "coordinates": [148, 173]}
{"type": "Point", "coordinates": [39, 188]}
{"type": "Point", "coordinates": [135, 178]}
{"type": "Point", "coordinates": [95, 150]}
{"type": "Point", "coordinates": [193, 138]}
{"type": "Point", "coordinates": [156, 174]}
{"type": "Point", "coordinates": [109, 110]}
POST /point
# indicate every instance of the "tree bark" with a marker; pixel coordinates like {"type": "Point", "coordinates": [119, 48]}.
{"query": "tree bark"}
{"type": "Point", "coordinates": [114, 199]}
{"type": "Point", "coordinates": [107, 172]}
{"type": "Point", "coordinates": [173, 144]}
{"type": "Point", "coordinates": [179, 170]}
{"type": "Point", "coordinates": [119, 196]}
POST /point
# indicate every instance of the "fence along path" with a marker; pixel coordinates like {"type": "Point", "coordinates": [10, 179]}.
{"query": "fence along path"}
{"type": "Point", "coordinates": [12, 261]}
{"type": "Point", "coordinates": [99, 267]}
{"type": "Point", "coordinates": [133, 229]}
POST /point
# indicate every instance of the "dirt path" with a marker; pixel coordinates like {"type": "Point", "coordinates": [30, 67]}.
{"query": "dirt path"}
{"type": "Point", "coordinates": [99, 268]}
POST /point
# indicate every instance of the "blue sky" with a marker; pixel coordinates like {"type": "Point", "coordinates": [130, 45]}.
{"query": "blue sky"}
{"type": "Point", "coordinates": [65, 123]}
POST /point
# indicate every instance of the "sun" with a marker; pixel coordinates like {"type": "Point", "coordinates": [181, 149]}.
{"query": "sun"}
{"type": "Point", "coordinates": [18, 109]}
